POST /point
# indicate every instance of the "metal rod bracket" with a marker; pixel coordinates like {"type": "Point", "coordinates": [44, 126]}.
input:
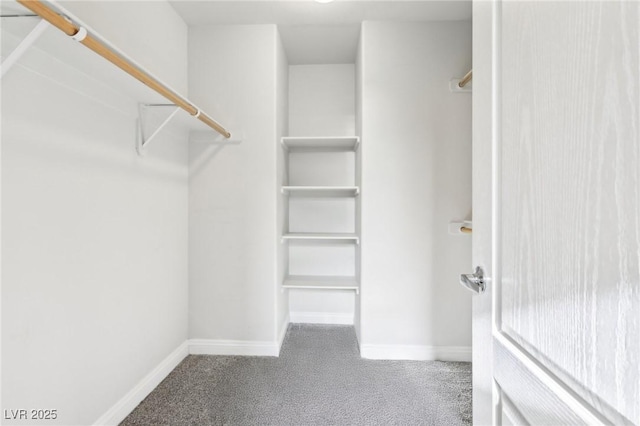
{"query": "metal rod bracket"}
{"type": "Point", "coordinates": [454, 86]}
{"type": "Point", "coordinates": [80, 35]}
{"type": "Point", "coordinates": [24, 45]}
{"type": "Point", "coordinates": [142, 140]}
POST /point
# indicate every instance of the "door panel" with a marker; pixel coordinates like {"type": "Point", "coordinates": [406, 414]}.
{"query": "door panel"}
{"type": "Point", "coordinates": [567, 193]}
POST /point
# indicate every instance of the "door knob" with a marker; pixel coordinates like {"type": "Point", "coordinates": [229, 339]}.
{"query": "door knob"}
{"type": "Point", "coordinates": [474, 282]}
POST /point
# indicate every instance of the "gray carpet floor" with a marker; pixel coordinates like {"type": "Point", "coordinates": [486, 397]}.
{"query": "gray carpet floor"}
{"type": "Point", "coordinates": [319, 379]}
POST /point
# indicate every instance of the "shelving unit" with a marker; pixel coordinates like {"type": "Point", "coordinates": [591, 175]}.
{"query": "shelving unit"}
{"type": "Point", "coordinates": [317, 236]}
{"type": "Point", "coordinates": [336, 144]}
{"type": "Point", "coordinates": [321, 282]}
{"type": "Point", "coordinates": [321, 191]}
{"type": "Point", "coordinates": [321, 144]}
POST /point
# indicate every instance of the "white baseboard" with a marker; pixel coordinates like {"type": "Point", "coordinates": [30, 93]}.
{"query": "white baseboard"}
{"type": "Point", "coordinates": [282, 332]}
{"type": "Point", "coordinates": [127, 403]}
{"type": "Point", "coordinates": [233, 347]}
{"type": "Point", "coordinates": [130, 401]}
{"type": "Point", "coordinates": [321, 318]}
{"type": "Point", "coordinates": [416, 352]}
{"type": "Point", "coordinates": [239, 347]}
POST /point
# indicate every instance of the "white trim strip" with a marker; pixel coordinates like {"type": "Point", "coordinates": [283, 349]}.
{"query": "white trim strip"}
{"type": "Point", "coordinates": [416, 352]}
{"type": "Point", "coordinates": [282, 332]}
{"type": "Point", "coordinates": [557, 387]}
{"type": "Point", "coordinates": [338, 318]}
{"type": "Point", "coordinates": [511, 412]}
{"type": "Point", "coordinates": [496, 141]}
{"type": "Point", "coordinates": [121, 409]}
{"type": "Point", "coordinates": [233, 347]}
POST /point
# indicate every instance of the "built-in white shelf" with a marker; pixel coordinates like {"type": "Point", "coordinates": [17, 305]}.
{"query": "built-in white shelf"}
{"type": "Point", "coordinates": [321, 282]}
{"type": "Point", "coordinates": [319, 144]}
{"type": "Point", "coordinates": [317, 236]}
{"type": "Point", "coordinates": [321, 191]}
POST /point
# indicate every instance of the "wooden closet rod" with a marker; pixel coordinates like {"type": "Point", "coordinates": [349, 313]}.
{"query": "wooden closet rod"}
{"type": "Point", "coordinates": [80, 34]}
{"type": "Point", "coordinates": [466, 79]}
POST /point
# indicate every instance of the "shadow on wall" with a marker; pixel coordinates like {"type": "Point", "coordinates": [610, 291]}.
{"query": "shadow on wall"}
{"type": "Point", "coordinates": [106, 151]}
{"type": "Point", "coordinates": [202, 151]}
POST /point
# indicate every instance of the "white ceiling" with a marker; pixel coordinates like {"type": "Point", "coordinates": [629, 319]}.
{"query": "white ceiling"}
{"type": "Point", "coordinates": [314, 33]}
{"type": "Point", "coordinates": [308, 12]}
{"type": "Point", "coordinates": [320, 44]}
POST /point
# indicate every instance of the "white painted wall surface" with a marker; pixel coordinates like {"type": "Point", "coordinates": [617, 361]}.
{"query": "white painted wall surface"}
{"type": "Point", "coordinates": [358, 174]}
{"type": "Point", "coordinates": [94, 248]}
{"type": "Point", "coordinates": [158, 44]}
{"type": "Point", "coordinates": [416, 174]}
{"type": "Point", "coordinates": [322, 100]}
{"type": "Point", "coordinates": [322, 103]}
{"type": "Point", "coordinates": [232, 202]}
{"type": "Point", "coordinates": [282, 129]}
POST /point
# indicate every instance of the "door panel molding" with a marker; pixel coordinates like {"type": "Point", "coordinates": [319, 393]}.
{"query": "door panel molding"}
{"type": "Point", "coordinates": [567, 405]}
{"type": "Point", "coordinates": [510, 411]}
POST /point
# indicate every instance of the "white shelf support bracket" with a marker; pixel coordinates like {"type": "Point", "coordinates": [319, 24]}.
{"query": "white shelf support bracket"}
{"type": "Point", "coordinates": [143, 140]}
{"type": "Point", "coordinates": [80, 35]}
{"type": "Point", "coordinates": [24, 45]}
{"type": "Point", "coordinates": [454, 86]}
{"type": "Point", "coordinates": [463, 227]}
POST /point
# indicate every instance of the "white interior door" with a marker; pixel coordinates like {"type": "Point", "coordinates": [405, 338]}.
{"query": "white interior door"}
{"type": "Point", "coordinates": [565, 177]}
{"type": "Point", "coordinates": [482, 130]}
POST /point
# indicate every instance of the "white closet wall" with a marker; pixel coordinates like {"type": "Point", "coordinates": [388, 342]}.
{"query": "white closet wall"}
{"type": "Point", "coordinates": [233, 291]}
{"type": "Point", "coordinates": [160, 47]}
{"type": "Point", "coordinates": [416, 177]}
{"type": "Point", "coordinates": [111, 261]}
{"type": "Point", "coordinates": [322, 100]}
{"type": "Point", "coordinates": [282, 126]}
{"type": "Point", "coordinates": [359, 86]}
{"type": "Point", "coordinates": [94, 244]}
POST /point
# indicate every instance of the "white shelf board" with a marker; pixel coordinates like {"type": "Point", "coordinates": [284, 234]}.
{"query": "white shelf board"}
{"type": "Point", "coordinates": [321, 282]}
{"type": "Point", "coordinates": [321, 191]}
{"type": "Point", "coordinates": [317, 236]}
{"type": "Point", "coordinates": [327, 143]}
